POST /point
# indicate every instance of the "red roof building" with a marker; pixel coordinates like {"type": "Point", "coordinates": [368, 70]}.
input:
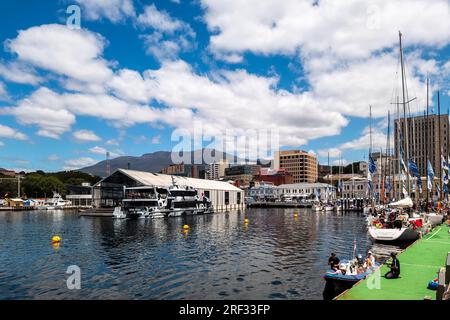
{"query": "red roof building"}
{"type": "Point", "coordinates": [276, 176]}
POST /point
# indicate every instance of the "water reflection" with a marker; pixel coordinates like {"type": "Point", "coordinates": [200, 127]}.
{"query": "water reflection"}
{"type": "Point", "coordinates": [276, 255]}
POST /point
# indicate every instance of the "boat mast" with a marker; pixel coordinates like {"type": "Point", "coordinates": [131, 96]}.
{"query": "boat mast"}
{"type": "Point", "coordinates": [440, 146]}
{"type": "Point", "coordinates": [406, 136]}
{"type": "Point", "coordinates": [427, 135]}
{"type": "Point", "coordinates": [387, 160]}
{"type": "Point", "coordinates": [370, 154]}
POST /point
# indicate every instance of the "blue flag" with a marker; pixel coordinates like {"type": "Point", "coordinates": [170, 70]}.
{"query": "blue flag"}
{"type": "Point", "coordinates": [430, 174]}
{"type": "Point", "coordinates": [372, 165]}
{"type": "Point", "coordinates": [413, 169]}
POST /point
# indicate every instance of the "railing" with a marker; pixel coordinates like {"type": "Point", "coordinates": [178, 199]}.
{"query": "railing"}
{"type": "Point", "coordinates": [443, 290]}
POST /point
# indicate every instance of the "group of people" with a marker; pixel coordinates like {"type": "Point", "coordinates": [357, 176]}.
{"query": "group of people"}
{"type": "Point", "coordinates": [365, 264]}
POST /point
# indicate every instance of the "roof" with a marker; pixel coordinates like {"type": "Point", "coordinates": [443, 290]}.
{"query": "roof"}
{"type": "Point", "coordinates": [304, 185]}
{"type": "Point", "coordinates": [165, 180]}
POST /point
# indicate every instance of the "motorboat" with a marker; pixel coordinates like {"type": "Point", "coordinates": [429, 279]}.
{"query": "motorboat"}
{"type": "Point", "coordinates": [142, 202]}
{"type": "Point", "coordinates": [55, 203]}
{"type": "Point", "coordinates": [328, 207]}
{"type": "Point", "coordinates": [183, 200]}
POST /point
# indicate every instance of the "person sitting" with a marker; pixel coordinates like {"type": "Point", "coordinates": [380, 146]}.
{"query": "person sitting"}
{"type": "Point", "coordinates": [370, 260]}
{"type": "Point", "coordinates": [333, 261]}
{"type": "Point", "coordinates": [342, 269]}
{"type": "Point", "coordinates": [395, 268]}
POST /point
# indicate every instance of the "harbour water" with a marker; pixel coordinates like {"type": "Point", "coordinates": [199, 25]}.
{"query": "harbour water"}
{"type": "Point", "coordinates": [277, 255]}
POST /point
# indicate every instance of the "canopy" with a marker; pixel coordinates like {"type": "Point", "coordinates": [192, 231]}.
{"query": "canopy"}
{"type": "Point", "coordinates": [404, 203]}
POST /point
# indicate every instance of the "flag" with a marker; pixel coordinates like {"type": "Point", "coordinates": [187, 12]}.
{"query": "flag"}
{"type": "Point", "coordinates": [413, 168]}
{"type": "Point", "coordinates": [430, 174]}
{"type": "Point", "coordinates": [444, 164]}
{"type": "Point", "coordinates": [372, 165]}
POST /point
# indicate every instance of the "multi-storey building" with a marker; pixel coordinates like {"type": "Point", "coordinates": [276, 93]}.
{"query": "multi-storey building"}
{"type": "Point", "coordinates": [216, 170]}
{"type": "Point", "coordinates": [426, 135]}
{"type": "Point", "coordinates": [302, 165]}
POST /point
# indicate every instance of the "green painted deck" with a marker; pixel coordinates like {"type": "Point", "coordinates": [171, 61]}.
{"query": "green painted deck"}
{"type": "Point", "coordinates": [419, 264]}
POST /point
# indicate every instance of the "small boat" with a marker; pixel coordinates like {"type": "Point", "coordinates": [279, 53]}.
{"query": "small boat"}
{"type": "Point", "coordinates": [329, 207]}
{"type": "Point", "coordinates": [347, 276]}
{"type": "Point", "coordinates": [393, 235]}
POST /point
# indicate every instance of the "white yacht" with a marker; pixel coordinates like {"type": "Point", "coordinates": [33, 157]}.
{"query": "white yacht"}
{"type": "Point", "coordinates": [142, 202]}
{"type": "Point", "coordinates": [55, 203]}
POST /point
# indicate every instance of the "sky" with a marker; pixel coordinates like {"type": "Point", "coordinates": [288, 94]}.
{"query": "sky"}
{"type": "Point", "coordinates": [133, 76]}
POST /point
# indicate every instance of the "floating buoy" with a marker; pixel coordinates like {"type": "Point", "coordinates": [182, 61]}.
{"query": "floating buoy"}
{"type": "Point", "coordinates": [185, 227]}
{"type": "Point", "coordinates": [56, 239]}
{"type": "Point", "coordinates": [295, 214]}
{"type": "Point", "coordinates": [245, 220]}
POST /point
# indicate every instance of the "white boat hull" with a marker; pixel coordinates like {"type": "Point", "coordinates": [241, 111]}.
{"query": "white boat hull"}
{"type": "Point", "coordinates": [387, 235]}
{"type": "Point", "coordinates": [435, 219]}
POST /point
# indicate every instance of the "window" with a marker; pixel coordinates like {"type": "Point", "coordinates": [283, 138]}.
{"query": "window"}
{"type": "Point", "coordinates": [227, 198]}
{"type": "Point", "coordinates": [238, 198]}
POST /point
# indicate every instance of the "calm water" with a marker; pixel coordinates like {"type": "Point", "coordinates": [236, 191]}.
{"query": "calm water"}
{"type": "Point", "coordinates": [277, 256]}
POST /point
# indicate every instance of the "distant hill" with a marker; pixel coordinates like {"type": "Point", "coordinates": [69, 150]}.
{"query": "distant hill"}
{"type": "Point", "coordinates": [150, 162]}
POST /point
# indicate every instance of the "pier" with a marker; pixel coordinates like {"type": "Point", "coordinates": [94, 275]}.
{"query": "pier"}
{"type": "Point", "coordinates": [419, 263]}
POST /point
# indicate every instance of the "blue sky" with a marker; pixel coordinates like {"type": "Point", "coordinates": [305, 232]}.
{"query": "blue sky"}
{"type": "Point", "coordinates": [137, 71]}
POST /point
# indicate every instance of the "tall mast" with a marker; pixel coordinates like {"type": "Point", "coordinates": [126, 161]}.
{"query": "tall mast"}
{"type": "Point", "coordinates": [399, 172]}
{"type": "Point", "coordinates": [406, 136]}
{"type": "Point", "coordinates": [370, 153]}
{"type": "Point", "coordinates": [388, 146]}
{"type": "Point", "coordinates": [427, 135]}
{"type": "Point", "coordinates": [440, 145]}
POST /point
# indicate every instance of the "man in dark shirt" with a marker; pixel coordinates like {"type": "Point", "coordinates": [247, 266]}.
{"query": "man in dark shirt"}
{"type": "Point", "coordinates": [395, 268]}
{"type": "Point", "coordinates": [333, 261]}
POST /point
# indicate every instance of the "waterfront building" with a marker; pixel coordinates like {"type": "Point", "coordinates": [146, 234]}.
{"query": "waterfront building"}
{"type": "Point", "coordinates": [301, 164]}
{"type": "Point", "coordinates": [320, 191]}
{"type": "Point", "coordinates": [240, 180]}
{"type": "Point", "coordinates": [263, 192]}
{"type": "Point", "coordinates": [216, 170]}
{"type": "Point", "coordinates": [423, 134]}
{"type": "Point", "coordinates": [80, 196]}
{"type": "Point", "coordinates": [234, 170]}
{"type": "Point", "coordinates": [184, 170]}
{"type": "Point", "coordinates": [274, 176]}
{"type": "Point", "coordinates": [109, 192]}
{"type": "Point", "coordinates": [355, 187]}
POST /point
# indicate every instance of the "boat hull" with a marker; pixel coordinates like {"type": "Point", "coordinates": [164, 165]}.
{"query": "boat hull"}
{"type": "Point", "coordinates": [393, 235]}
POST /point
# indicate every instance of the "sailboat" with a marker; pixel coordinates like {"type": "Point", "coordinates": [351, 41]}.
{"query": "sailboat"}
{"type": "Point", "coordinates": [395, 224]}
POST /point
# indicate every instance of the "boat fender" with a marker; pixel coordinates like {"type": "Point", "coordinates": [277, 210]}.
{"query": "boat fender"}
{"type": "Point", "coordinates": [433, 284]}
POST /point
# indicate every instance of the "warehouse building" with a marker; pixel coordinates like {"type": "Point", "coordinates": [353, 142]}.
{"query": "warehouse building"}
{"type": "Point", "coordinates": [109, 192]}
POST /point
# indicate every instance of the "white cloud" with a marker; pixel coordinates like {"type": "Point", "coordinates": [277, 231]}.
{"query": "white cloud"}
{"type": "Point", "coordinates": [332, 152]}
{"type": "Point", "coordinates": [73, 164]}
{"type": "Point", "coordinates": [86, 136]}
{"type": "Point", "coordinates": [69, 52]}
{"type": "Point", "coordinates": [18, 73]}
{"type": "Point", "coordinates": [113, 10]}
{"type": "Point", "coordinates": [53, 157]}
{"type": "Point", "coordinates": [102, 151]}
{"type": "Point", "coordinates": [8, 132]}
{"type": "Point", "coordinates": [156, 139]}
{"type": "Point", "coordinates": [3, 93]}
{"type": "Point", "coordinates": [346, 28]}
{"type": "Point", "coordinates": [159, 20]}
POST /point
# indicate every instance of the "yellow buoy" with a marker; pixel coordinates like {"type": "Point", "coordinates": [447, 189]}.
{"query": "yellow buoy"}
{"type": "Point", "coordinates": [185, 227]}
{"type": "Point", "coordinates": [56, 239]}
{"type": "Point", "coordinates": [245, 220]}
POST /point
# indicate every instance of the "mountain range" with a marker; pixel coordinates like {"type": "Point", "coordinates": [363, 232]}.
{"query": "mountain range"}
{"type": "Point", "coordinates": [150, 162]}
